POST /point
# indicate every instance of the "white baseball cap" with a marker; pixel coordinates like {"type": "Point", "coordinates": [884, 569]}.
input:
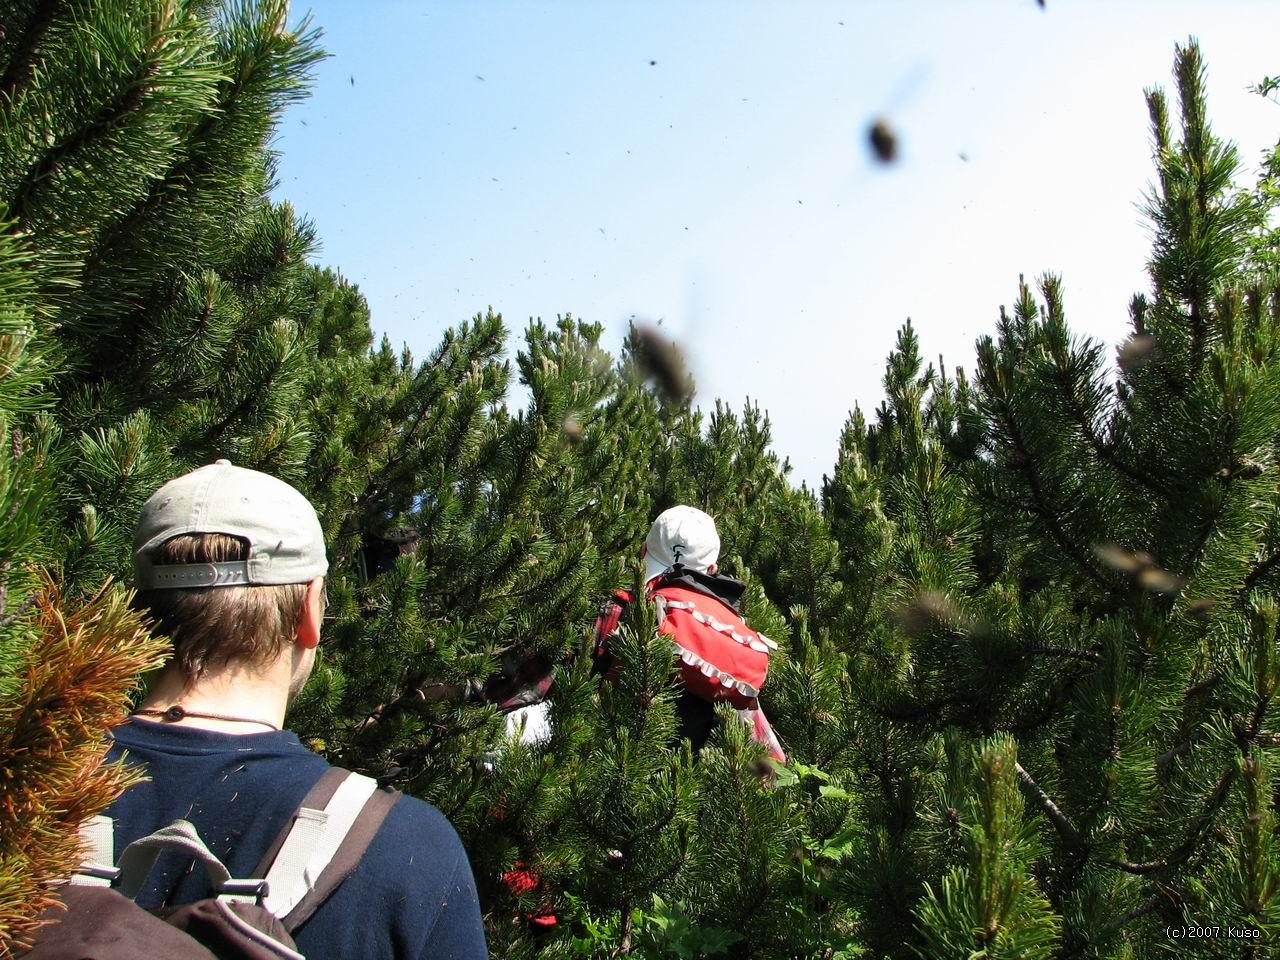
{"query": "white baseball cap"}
{"type": "Point", "coordinates": [683, 535]}
{"type": "Point", "coordinates": [286, 544]}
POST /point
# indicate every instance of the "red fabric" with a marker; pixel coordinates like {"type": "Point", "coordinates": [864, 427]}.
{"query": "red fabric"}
{"type": "Point", "coordinates": [521, 880]}
{"type": "Point", "coordinates": [751, 713]}
{"type": "Point", "coordinates": [606, 623]}
{"type": "Point", "coordinates": [762, 732]}
{"type": "Point", "coordinates": [714, 647]}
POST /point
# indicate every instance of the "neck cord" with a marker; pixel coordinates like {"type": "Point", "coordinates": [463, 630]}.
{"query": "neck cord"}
{"type": "Point", "coordinates": [176, 712]}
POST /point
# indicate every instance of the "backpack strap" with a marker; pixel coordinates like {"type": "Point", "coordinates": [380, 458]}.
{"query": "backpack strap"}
{"type": "Point", "coordinates": [316, 798]}
{"type": "Point", "coordinates": [139, 857]}
{"type": "Point", "coordinates": [330, 832]}
{"type": "Point", "coordinates": [98, 837]}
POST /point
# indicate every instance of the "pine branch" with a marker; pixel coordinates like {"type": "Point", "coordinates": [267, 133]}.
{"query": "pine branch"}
{"type": "Point", "coordinates": [1024, 464]}
{"type": "Point", "coordinates": [1188, 845]}
{"type": "Point", "coordinates": [1165, 759]}
{"type": "Point", "coordinates": [1261, 570]}
{"type": "Point", "coordinates": [18, 74]}
{"type": "Point", "coordinates": [584, 821]}
{"type": "Point", "coordinates": [917, 712]}
{"type": "Point", "coordinates": [251, 400]}
{"type": "Point", "coordinates": [453, 812]}
{"type": "Point", "coordinates": [106, 120]}
{"type": "Point", "coordinates": [1055, 525]}
{"type": "Point", "coordinates": [1205, 685]}
{"type": "Point", "coordinates": [1198, 326]}
{"type": "Point", "coordinates": [195, 162]}
{"type": "Point", "coordinates": [374, 491]}
{"type": "Point", "coordinates": [1210, 526]}
{"type": "Point", "coordinates": [624, 948]}
{"type": "Point", "coordinates": [1056, 698]}
{"type": "Point", "coordinates": [1091, 656]}
{"type": "Point", "coordinates": [11, 618]}
{"type": "Point", "coordinates": [1115, 924]}
{"type": "Point", "coordinates": [1104, 450]}
{"type": "Point", "coordinates": [1051, 809]}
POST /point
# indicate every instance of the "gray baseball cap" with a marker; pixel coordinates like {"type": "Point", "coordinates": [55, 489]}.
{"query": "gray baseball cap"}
{"type": "Point", "coordinates": [286, 544]}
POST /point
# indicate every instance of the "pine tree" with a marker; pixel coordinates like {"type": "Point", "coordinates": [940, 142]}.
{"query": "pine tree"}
{"type": "Point", "coordinates": [65, 667]}
{"type": "Point", "coordinates": [151, 295]}
{"type": "Point", "coordinates": [1083, 568]}
{"type": "Point", "coordinates": [1027, 627]}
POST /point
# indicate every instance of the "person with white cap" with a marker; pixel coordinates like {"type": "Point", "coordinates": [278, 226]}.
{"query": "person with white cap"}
{"type": "Point", "coordinates": [718, 657]}
{"type": "Point", "coordinates": [230, 564]}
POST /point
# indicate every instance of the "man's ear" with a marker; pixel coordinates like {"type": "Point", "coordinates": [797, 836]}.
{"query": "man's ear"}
{"type": "Point", "coordinates": [308, 635]}
{"type": "Point", "coordinates": [712, 568]}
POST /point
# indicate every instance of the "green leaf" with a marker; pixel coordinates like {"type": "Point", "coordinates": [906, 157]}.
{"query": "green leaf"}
{"type": "Point", "coordinates": [713, 940]}
{"type": "Point", "coordinates": [840, 845]}
{"type": "Point", "coordinates": [785, 777]}
{"type": "Point", "coordinates": [804, 770]}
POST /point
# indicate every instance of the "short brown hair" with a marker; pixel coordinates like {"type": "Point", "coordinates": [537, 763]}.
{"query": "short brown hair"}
{"type": "Point", "coordinates": [213, 627]}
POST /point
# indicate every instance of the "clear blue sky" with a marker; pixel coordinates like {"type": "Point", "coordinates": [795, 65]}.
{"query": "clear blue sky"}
{"type": "Point", "coordinates": [529, 157]}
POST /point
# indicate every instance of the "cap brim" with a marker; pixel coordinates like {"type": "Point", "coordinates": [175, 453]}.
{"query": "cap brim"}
{"type": "Point", "coordinates": [653, 567]}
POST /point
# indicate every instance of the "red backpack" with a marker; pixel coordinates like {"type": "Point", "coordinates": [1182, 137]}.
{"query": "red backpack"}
{"type": "Point", "coordinates": [720, 657]}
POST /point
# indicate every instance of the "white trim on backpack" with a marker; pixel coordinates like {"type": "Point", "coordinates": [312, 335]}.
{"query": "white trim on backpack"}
{"type": "Point", "coordinates": [711, 671]}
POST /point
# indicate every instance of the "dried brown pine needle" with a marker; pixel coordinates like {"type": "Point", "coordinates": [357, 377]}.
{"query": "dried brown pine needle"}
{"type": "Point", "coordinates": [83, 659]}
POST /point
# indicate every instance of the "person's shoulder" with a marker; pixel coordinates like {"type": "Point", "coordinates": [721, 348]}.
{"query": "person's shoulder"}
{"type": "Point", "coordinates": [417, 871]}
{"type": "Point", "coordinates": [142, 736]}
{"type": "Point", "coordinates": [421, 816]}
{"type": "Point", "coordinates": [419, 844]}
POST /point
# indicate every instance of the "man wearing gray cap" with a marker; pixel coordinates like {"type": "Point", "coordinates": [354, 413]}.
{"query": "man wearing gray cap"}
{"type": "Point", "coordinates": [230, 564]}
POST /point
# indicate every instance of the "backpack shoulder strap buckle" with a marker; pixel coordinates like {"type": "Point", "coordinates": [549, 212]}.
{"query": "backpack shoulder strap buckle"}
{"type": "Point", "coordinates": [96, 871]}
{"type": "Point", "coordinates": [248, 891]}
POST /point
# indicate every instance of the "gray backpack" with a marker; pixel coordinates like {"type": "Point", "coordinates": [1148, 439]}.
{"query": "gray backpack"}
{"type": "Point", "coordinates": [251, 918]}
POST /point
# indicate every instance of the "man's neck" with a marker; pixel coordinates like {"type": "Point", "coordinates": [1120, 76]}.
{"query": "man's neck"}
{"type": "Point", "coordinates": [246, 702]}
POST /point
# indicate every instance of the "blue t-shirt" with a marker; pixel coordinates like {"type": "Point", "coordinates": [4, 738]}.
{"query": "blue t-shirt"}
{"type": "Point", "coordinates": [412, 897]}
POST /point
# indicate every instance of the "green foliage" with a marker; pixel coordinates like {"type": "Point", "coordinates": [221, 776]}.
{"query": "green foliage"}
{"type": "Point", "coordinates": [1027, 626]}
{"type": "Point", "coordinates": [666, 932]}
{"type": "Point", "coordinates": [150, 298]}
{"type": "Point", "coordinates": [990, 905]}
{"type": "Point", "coordinates": [1095, 590]}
